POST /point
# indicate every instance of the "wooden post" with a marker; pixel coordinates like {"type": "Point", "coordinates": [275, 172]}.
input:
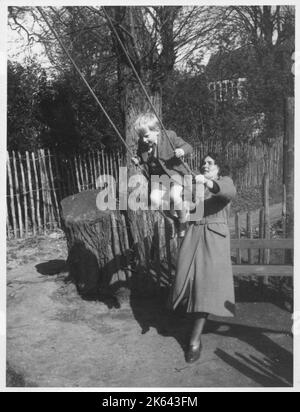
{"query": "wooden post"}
{"type": "Point", "coordinates": [238, 236]}
{"type": "Point", "coordinates": [33, 221]}
{"type": "Point", "coordinates": [261, 251]}
{"type": "Point", "coordinates": [104, 169]}
{"type": "Point", "coordinates": [20, 218]}
{"type": "Point", "coordinates": [266, 223]}
{"type": "Point", "coordinates": [99, 170]}
{"type": "Point", "coordinates": [288, 170]}
{"type": "Point", "coordinates": [87, 179]}
{"type": "Point", "coordinates": [60, 173]}
{"type": "Point", "coordinates": [91, 169]}
{"type": "Point", "coordinates": [249, 167]}
{"type": "Point", "coordinates": [77, 172]}
{"type": "Point", "coordinates": [250, 236]}
{"type": "Point", "coordinates": [261, 233]}
{"type": "Point", "coordinates": [284, 212]}
{"type": "Point", "coordinates": [71, 187]}
{"type": "Point", "coordinates": [119, 160]}
{"type": "Point", "coordinates": [47, 187]}
{"type": "Point", "coordinates": [58, 177]}
{"type": "Point", "coordinates": [267, 217]}
{"type": "Point", "coordinates": [54, 189]}
{"type": "Point", "coordinates": [43, 191]}
{"type": "Point", "coordinates": [101, 162]}
{"type": "Point", "coordinates": [106, 163]}
{"type": "Point", "coordinates": [72, 178]}
{"type": "Point", "coordinates": [95, 168]}
{"type": "Point", "coordinates": [53, 223]}
{"type": "Point", "coordinates": [47, 192]}
{"type": "Point", "coordinates": [12, 197]}
{"type": "Point", "coordinates": [116, 165]}
{"type": "Point", "coordinates": [81, 173]}
{"type": "Point", "coordinates": [74, 174]}
{"type": "Point", "coordinates": [63, 174]}
{"type": "Point", "coordinates": [37, 191]}
{"type": "Point", "coordinates": [111, 164]}
{"type": "Point", "coordinates": [24, 194]}
{"type": "Point", "coordinates": [257, 173]}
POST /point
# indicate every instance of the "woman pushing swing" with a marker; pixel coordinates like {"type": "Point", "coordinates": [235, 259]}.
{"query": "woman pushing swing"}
{"type": "Point", "coordinates": [204, 281]}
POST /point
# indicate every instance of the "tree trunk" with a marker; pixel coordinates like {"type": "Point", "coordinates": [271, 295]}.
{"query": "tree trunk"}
{"type": "Point", "coordinates": [133, 101]}
{"type": "Point", "coordinates": [96, 246]}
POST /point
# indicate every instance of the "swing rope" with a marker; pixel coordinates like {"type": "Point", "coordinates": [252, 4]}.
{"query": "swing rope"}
{"type": "Point", "coordinates": [143, 87]}
{"type": "Point", "coordinates": [87, 84]}
{"type": "Point", "coordinates": [96, 98]}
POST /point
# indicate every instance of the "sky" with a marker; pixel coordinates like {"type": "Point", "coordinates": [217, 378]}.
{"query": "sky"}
{"type": "Point", "coordinates": [19, 49]}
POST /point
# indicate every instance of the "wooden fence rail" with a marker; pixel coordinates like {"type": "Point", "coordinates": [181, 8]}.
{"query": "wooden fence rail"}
{"type": "Point", "coordinates": [37, 182]}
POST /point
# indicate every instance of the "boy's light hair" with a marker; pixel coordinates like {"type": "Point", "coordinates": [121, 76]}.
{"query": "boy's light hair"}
{"type": "Point", "coordinates": [144, 120]}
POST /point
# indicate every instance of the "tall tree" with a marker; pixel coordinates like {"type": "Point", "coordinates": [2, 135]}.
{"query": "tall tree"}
{"type": "Point", "coordinates": [25, 85]}
{"type": "Point", "coordinates": [269, 34]}
{"type": "Point", "coordinates": [156, 38]}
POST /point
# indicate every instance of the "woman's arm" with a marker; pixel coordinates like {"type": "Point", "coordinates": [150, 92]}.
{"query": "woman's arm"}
{"type": "Point", "coordinates": [223, 187]}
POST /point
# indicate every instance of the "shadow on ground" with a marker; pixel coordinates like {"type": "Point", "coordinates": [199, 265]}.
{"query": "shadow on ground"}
{"type": "Point", "coordinates": [16, 379]}
{"type": "Point", "coordinates": [279, 291]}
{"type": "Point", "coordinates": [274, 368]}
{"type": "Point", "coordinates": [266, 363]}
{"type": "Point", "coordinates": [51, 267]}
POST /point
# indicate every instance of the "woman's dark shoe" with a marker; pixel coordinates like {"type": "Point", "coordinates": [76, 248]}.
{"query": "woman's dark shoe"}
{"type": "Point", "coordinates": [193, 353]}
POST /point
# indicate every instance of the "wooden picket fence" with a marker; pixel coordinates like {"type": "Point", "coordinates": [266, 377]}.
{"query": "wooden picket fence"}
{"type": "Point", "coordinates": [38, 181]}
{"type": "Point", "coordinates": [248, 163]}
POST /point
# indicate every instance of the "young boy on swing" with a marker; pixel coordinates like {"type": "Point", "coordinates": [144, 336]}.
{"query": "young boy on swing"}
{"type": "Point", "coordinates": [156, 152]}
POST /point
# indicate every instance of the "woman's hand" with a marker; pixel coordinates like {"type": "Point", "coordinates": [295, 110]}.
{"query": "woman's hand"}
{"type": "Point", "coordinates": [207, 182]}
{"type": "Point", "coordinates": [179, 153]}
{"type": "Point", "coordinates": [200, 179]}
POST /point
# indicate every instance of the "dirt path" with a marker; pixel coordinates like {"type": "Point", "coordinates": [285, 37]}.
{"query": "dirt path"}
{"type": "Point", "coordinates": [56, 339]}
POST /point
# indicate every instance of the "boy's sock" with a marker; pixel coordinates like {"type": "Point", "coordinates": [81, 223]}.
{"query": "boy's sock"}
{"type": "Point", "coordinates": [183, 215]}
{"type": "Point", "coordinates": [181, 229]}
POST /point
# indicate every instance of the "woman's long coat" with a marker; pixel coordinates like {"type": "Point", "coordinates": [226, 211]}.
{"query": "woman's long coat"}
{"type": "Point", "coordinates": [204, 279]}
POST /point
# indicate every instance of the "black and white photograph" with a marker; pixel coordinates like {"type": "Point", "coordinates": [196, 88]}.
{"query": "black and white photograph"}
{"type": "Point", "coordinates": [149, 156]}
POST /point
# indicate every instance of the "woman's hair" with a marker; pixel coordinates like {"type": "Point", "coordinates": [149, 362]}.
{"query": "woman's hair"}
{"type": "Point", "coordinates": [224, 169]}
{"type": "Point", "coordinates": [144, 120]}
